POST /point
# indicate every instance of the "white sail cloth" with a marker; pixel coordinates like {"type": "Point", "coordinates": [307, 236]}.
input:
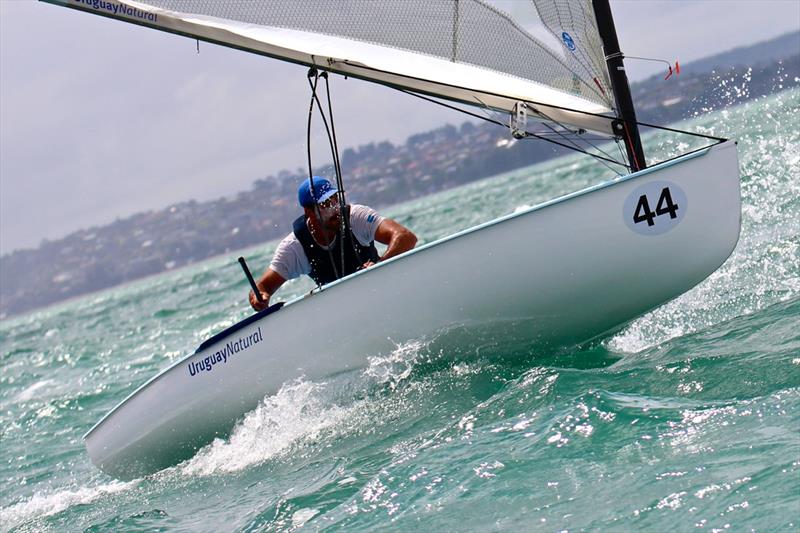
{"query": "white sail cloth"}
{"type": "Point", "coordinates": [506, 67]}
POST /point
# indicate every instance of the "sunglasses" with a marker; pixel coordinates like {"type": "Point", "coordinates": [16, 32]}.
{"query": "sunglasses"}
{"type": "Point", "coordinates": [329, 207]}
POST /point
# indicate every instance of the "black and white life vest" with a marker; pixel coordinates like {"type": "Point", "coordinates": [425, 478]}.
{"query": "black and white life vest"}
{"type": "Point", "coordinates": [322, 271]}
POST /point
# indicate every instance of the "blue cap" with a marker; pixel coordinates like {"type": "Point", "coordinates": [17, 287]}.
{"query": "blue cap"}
{"type": "Point", "coordinates": [322, 191]}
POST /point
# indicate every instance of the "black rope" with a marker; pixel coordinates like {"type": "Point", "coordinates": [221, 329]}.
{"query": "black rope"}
{"type": "Point", "coordinates": [603, 160]}
{"type": "Point", "coordinates": [529, 102]}
{"type": "Point", "coordinates": [334, 154]}
{"type": "Point", "coordinates": [693, 134]}
{"type": "Point", "coordinates": [687, 153]}
{"type": "Point", "coordinates": [573, 148]}
{"type": "Point", "coordinates": [343, 213]}
{"type": "Point", "coordinates": [454, 108]}
{"type": "Point", "coordinates": [344, 227]}
{"type": "Point", "coordinates": [313, 73]}
{"type": "Point", "coordinates": [528, 134]}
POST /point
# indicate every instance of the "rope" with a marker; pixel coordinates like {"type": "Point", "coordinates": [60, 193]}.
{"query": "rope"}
{"type": "Point", "coordinates": [345, 216]}
{"type": "Point", "coordinates": [604, 160]}
{"type": "Point", "coordinates": [498, 123]}
{"type": "Point", "coordinates": [313, 73]}
{"type": "Point", "coordinates": [630, 146]}
{"type": "Point", "coordinates": [576, 149]}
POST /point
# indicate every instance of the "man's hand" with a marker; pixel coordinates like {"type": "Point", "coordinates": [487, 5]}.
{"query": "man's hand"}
{"type": "Point", "coordinates": [255, 304]}
{"type": "Point", "coordinates": [367, 265]}
{"type": "Point", "coordinates": [267, 285]}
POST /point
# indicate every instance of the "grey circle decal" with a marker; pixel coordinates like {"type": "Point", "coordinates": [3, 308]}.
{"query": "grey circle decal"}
{"type": "Point", "coordinates": [655, 208]}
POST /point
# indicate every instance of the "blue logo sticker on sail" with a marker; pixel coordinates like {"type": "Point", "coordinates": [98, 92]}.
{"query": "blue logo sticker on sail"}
{"type": "Point", "coordinates": [655, 208]}
{"type": "Point", "coordinates": [568, 40]}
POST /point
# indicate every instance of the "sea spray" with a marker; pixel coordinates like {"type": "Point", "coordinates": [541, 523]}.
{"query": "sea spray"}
{"type": "Point", "coordinates": [44, 504]}
{"type": "Point", "coordinates": [300, 410]}
{"type": "Point", "coordinates": [761, 270]}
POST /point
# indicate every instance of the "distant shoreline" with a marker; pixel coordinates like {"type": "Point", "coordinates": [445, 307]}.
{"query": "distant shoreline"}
{"type": "Point", "coordinates": [155, 242]}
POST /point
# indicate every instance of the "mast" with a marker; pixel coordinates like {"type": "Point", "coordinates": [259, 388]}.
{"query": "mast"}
{"type": "Point", "coordinates": [627, 128]}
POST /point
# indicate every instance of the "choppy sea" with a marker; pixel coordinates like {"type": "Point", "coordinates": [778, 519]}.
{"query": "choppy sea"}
{"type": "Point", "coordinates": [687, 419]}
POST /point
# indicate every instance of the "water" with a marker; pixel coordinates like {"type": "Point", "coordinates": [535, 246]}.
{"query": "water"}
{"type": "Point", "coordinates": [688, 418]}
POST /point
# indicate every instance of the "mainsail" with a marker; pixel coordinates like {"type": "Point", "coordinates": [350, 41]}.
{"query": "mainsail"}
{"type": "Point", "coordinates": [466, 51]}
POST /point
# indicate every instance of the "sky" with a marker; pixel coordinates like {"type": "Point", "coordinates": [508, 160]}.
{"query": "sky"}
{"type": "Point", "coordinates": [100, 119]}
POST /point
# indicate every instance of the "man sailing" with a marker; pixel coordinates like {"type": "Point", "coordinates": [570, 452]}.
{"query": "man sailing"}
{"type": "Point", "coordinates": [314, 247]}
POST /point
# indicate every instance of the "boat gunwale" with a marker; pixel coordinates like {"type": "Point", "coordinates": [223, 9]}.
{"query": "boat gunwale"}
{"type": "Point", "coordinates": [549, 203]}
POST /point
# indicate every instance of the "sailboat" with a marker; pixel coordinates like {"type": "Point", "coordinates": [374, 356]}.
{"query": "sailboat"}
{"type": "Point", "coordinates": [559, 273]}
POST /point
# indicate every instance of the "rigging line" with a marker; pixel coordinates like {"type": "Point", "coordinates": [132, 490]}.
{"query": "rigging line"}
{"type": "Point", "coordinates": [402, 89]}
{"type": "Point", "coordinates": [312, 73]}
{"type": "Point", "coordinates": [577, 146]}
{"type": "Point", "coordinates": [502, 125]}
{"type": "Point", "coordinates": [599, 158]}
{"type": "Point", "coordinates": [343, 213]}
{"type": "Point", "coordinates": [343, 219]}
{"type": "Point", "coordinates": [529, 102]}
{"type": "Point", "coordinates": [588, 141]}
{"type": "Point", "coordinates": [454, 108]}
{"type": "Point", "coordinates": [315, 98]}
{"type": "Point", "coordinates": [655, 59]}
{"type": "Point", "coordinates": [580, 138]}
{"type": "Point", "coordinates": [687, 153]}
{"type": "Point", "coordinates": [629, 139]}
{"type": "Point", "coordinates": [573, 148]}
{"type": "Point", "coordinates": [489, 112]}
{"type": "Point", "coordinates": [693, 134]}
{"type": "Point", "coordinates": [336, 162]}
{"type": "Point", "coordinates": [558, 133]}
{"type": "Point", "coordinates": [621, 153]}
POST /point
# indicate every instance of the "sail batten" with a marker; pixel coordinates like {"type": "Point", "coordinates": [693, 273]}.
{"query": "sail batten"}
{"type": "Point", "coordinates": [435, 47]}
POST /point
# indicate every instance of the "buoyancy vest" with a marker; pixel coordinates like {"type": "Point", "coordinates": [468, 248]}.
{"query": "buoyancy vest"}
{"type": "Point", "coordinates": [322, 271]}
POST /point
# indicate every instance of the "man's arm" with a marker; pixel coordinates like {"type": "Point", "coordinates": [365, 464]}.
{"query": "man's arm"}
{"type": "Point", "coordinates": [396, 237]}
{"type": "Point", "coordinates": [267, 285]}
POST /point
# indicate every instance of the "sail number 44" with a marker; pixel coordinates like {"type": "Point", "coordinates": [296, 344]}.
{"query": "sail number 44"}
{"type": "Point", "coordinates": [655, 207]}
{"type": "Point", "coordinates": [665, 206]}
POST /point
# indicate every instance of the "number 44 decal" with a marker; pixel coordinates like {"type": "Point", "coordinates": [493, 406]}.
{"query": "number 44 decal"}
{"type": "Point", "coordinates": [669, 200]}
{"type": "Point", "coordinates": [665, 206]}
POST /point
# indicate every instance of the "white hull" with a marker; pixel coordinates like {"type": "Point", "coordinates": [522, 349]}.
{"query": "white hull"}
{"type": "Point", "coordinates": [560, 273]}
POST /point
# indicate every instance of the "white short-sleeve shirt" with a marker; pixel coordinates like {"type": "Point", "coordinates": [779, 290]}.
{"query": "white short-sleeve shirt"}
{"type": "Point", "coordinates": [290, 260]}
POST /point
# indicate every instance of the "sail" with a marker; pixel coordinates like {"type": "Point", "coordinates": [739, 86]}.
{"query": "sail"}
{"type": "Point", "coordinates": [466, 51]}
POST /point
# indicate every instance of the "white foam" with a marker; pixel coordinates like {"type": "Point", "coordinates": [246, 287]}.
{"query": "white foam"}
{"type": "Point", "coordinates": [763, 269]}
{"type": "Point", "coordinates": [299, 518]}
{"type": "Point", "coordinates": [301, 410]}
{"type": "Point", "coordinates": [30, 392]}
{"type": "Point", "coordinates": [395, 367]}
{"type": "Point", "coordinates": [41, 504]}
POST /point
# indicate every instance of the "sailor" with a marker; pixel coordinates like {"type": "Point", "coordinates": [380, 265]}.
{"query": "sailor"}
{"type": "Point", "coordinates": [314, 247]}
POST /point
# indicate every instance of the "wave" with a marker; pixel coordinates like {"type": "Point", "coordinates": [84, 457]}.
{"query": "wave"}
{"type": "Point", "coordinates": [44, 504]}
{"type": "Point", "coordinates": [302, 411]}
